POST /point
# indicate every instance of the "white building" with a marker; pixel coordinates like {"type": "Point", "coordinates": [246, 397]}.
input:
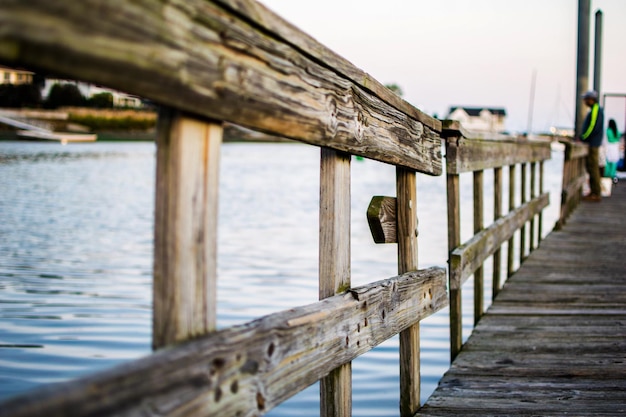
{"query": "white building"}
{"type": "Point", "coordinates": [89, 90]}
{"type": "Point", "coordinates": [479, 120]}
{"type": "Point", "coordinates": [15, 76]}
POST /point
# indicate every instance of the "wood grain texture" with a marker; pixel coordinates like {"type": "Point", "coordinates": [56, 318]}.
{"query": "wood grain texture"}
{"type": "Point", "coordinates": [334, 220]}
{"type": "Point", "coordinates": [231, 61]}
{"type": "Point", "coordinates": [247, 370]}
{"type": "Point", "coordinates": [185, 250]}
{"type": "Point", "coordinates": [454, 240]}
{"type": "Point", "coordinates": [466, 155]}
{"type": "Point", "coordinates": [257, 13]}
{"type": "Point", "coordinates": [334, 266]}
{"type": "Point", "coordinates": [406, 190]}
{"type": "Point", "coordinates": [553, 341]}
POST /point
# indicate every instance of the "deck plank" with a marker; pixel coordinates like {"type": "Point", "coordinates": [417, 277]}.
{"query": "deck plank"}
{"type": "Point", "coordinates": [554, 340]}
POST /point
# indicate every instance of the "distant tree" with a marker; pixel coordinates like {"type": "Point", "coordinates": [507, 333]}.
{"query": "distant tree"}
{"type": "Point", "coordinates": [19, 95]}
{"type": "Point", "coordinates": [101, 101]}
{"type": "Point", "coordinates": [39, 80]}
{"type": "Point", "coordinates": [395, 88]}
{"type": "Point", "coordinates": [61, 95]}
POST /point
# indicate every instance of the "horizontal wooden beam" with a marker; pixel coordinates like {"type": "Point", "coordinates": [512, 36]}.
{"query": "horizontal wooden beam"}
{"type": "Point", "coordinates": [246, 370]}
{"type": "Point", "coordinates": [467, 155]}
{"type": "Point", "coordinates": [453, 129]}
{"type": "Point", "coordinates": [466, 258]}
{"type": "Point", "coordinates": [260, 15]}
{"type": "Point", "coordinates": [231, 61]}
{"type": "Point", "coordinates": [575, 150]}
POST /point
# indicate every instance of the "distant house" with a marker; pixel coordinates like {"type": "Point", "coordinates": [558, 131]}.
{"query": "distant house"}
{"type": "Point", "coordinates": [15, 76]}
{"type": "Point", "coordinates": [120, 99]}
{"type": "Point", "coordinates": [479, 119]}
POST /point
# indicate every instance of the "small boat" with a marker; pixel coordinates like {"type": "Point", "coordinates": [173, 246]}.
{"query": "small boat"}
{"type": "Point", "coordinates": [58, 136]}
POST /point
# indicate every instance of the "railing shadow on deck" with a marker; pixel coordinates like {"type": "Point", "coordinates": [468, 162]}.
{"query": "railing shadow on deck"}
{"type": "Point", "coordinates": [210, 62]}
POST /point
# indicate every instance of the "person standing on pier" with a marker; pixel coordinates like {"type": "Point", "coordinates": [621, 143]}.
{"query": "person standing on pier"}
{"type": "Point", "coordinates": [612, 150]}
{"type": "Point", "coordinates": [593, 132]}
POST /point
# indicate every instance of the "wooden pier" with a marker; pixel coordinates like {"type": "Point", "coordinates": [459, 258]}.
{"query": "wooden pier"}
{"type": "Point", "coordinates": [208, 63]}
{"type": "Point", "coordinates": [554, 340]}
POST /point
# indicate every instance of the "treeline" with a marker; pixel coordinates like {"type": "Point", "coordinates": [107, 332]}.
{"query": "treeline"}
{"type": "Point", "coordinates": [60, 95]}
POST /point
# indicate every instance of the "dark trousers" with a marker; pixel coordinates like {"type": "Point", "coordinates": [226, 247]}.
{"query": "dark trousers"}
{"type": "Point", "coordinates": [593, 170]}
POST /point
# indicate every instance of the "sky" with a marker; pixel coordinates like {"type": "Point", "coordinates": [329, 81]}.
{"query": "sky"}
{"type": "Point", "coordinates": [478, 53]}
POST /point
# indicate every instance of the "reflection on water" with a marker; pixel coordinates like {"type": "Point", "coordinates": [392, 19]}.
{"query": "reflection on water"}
{"type": "Point", "coordinates": [76, 257]}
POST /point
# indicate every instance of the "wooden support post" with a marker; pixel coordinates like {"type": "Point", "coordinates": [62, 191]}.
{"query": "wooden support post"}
{"type": "Point", "coordinates": [511, 245]}
{"type": "Point", "coordinates": [522, 241]}
{"type": "Point", "coordinates": [497, 213]}
{"type": "Point", "coordinates": [185, 243]}
{"type": "Point", "coordinates": [454, 240]}
{"type": "Point", "coordinates": [533, 194]}
{"type": "Point", "coordinates": [407, 261]}
{"type": "Point", "coordinates": [478, 225]}
{"type": "Point", "coordinates": [540, 226]}
{"type": "Point", "coordinates": [334, 266]}
{"type": "Point", "coordinates": [569, 172]}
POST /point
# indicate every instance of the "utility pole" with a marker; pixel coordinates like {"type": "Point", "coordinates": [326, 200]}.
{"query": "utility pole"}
{"type": "Point", "coordinates": [531, 103]}
{"type": "Point", "coordinates": [582, 68]}
{"type": "Point", "coordinates": [597, 54]}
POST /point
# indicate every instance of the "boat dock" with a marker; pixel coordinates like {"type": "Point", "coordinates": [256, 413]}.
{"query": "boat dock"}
{"type": "Point", "coordinates": [33, 132]}
{"type": "Point", "coordinates": [551, 343]}
{"type": "Point", "coordinates": [554, 340]}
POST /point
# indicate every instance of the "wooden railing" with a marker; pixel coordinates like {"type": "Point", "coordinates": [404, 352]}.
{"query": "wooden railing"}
{"type": "Point", "coordinates": [206, 62]}
{"type": "Point", "coordinates": [574, 177]}
{"type": "Point", "coordinates": [210, 62]}
{"type": "Point", "coordinates": [464, 155]}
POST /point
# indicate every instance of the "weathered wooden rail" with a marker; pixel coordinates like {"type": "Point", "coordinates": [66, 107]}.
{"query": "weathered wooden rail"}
{"type": "Point", "coordinates": [206, 63]}
{"type": "Point", "coordinates": [574, 176]}
{"type": "Point", "coordinates": [465, 155]}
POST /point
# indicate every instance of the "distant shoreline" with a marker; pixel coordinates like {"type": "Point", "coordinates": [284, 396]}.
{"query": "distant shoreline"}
{"type": "Point", "coordinates": [115, 125]}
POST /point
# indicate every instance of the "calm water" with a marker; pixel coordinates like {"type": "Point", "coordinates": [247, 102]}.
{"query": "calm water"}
{"type": "Point", "coordinates": [76, 257]}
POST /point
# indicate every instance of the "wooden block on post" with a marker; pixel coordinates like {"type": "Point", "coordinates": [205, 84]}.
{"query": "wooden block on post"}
{"type": "Point", "coordinates": [381, 217]}
{"type": "Point", "coordinates": [185, 243]}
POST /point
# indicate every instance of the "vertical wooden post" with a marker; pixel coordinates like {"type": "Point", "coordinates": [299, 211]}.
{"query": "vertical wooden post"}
{"type": "Point", "coordinates": [511, 245]}
{"type": "Point", "coordinates": [185, 243]}
{"type": "Point", "coordinates": [407, 261]}
{"type": "Point", "coordinates": [478, 225]}
{"type": "Point", "coordinates": [334, 266]}
{"type": "Point", "coordinates": [522, 242]}
{"type": "Point", "coordinates": [569, 172]}
{"type": "Point", "coordinates": [540, 226]}
{"type": "Point", "coordinates": [497, 213]}
{"type": "Point", "coordinates": [454, 240]}
{"type": "Point", "coordinates": [533, 194]}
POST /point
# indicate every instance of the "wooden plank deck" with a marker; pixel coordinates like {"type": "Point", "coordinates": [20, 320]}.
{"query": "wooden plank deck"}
{"type": "Point", "coordinates": [554, 341]}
